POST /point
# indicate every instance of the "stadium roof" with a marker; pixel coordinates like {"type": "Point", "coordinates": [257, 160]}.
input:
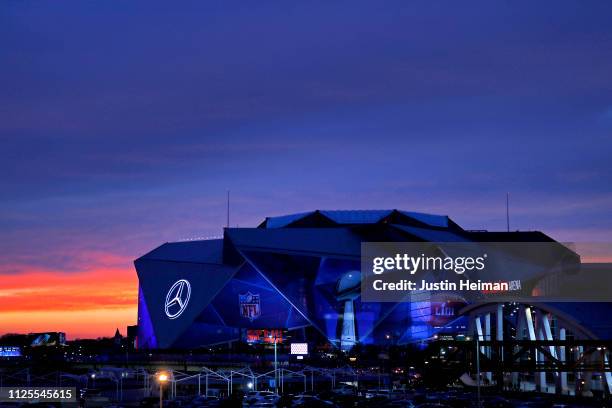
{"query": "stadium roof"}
{"type": "Point", "coordinates": [202, 251]}
{"type": "Point", "coordinates": [329, 218]}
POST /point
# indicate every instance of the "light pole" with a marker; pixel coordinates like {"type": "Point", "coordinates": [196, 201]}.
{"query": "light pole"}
{"type": "Point", "coordinates": [121, 385]}
{"type": "Point", "coordinates": [478, 368]}
{"type": "Point", "coordinates": [275, 364]}
{"type": "Point", "coordinates": [162, 378]}
{"type": "Point", "coordinates": [93, 380]}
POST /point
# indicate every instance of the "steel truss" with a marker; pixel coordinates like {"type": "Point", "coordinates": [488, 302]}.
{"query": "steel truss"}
{"type": "Point", "coordinates": [535, 345]}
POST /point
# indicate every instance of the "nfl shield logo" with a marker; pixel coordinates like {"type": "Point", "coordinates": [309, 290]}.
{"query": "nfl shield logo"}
{"type": "Point", "coordinates": [250, 305]}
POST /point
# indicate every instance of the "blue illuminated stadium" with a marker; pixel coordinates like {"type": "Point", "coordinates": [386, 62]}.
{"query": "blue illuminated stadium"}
{"type": "Point", "coordinates": [299, 273]}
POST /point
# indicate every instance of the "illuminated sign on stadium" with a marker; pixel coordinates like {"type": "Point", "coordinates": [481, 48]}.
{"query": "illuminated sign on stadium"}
{"type": "Point", "coordinates": [177, 298]}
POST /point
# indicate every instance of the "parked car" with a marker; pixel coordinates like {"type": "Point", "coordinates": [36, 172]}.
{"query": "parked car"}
{"type": "Point", "coordinates": [149, 402]}
{"type": "Point", "coordinates": [345, 390]}
{"type": "Point", "coordinates": [307, 400]}
{"type": "Point", "coordinates": [432, 405]}
{"type": "Point", "coordinates": [259, 397]}
{"type": "Point", "coordinates": [204, 401]}
{"type": "Point", "coordinates": [495, 402]}
{"type": "Point", "coordinates": [400, 403]}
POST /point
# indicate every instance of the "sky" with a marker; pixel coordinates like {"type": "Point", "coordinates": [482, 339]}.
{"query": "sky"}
{"type": "Point", "coordinates": [122, 126]}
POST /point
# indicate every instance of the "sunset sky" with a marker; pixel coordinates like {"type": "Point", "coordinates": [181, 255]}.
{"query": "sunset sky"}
{"type": "Point", "coordinates": [121, 128]}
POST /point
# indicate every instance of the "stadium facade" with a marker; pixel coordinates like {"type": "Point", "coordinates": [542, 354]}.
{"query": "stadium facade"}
{"type": "Point", "coordinates": [295, 275]}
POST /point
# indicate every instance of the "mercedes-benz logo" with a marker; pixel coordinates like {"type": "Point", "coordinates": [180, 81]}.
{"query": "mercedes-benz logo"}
{"type": "Point", "coordinates": [177, 298]}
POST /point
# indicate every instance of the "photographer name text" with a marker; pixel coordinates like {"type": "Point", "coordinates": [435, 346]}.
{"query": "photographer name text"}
{"type": "Point", "coordinates": [445, 285]}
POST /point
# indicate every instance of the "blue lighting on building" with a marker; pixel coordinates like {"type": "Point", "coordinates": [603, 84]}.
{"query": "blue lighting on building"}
{"type": "Point", "coordinates": [299, 273]}
{"type": "Point", "coordinates": [10, 351]}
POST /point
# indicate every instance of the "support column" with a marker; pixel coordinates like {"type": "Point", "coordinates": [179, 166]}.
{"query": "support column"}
{"type": "Point", "coordinates": [529, 323]}
{"type": "Point", "coordinates": [541, 375]}
{"type": "Point", "coordinates": [608, 374]}
{"type": "Point", "coordinates": [479, 332]}
{"type": "Point", "coordinates": [547, 335]}
{"type": "Point", "coordinates": [530, 333]}
{"type": "Point", "coordinates": [502, 380]}
{"type": "Point", "coordinates": [520, 335]}
{"type": "Point", "coordinates": [579, 352]}
{"type": "Point", "coordinates": [471, 326]}
{"type": "Point", "coordinates": [563, 359]}
{"type": "Point", "coordinates": [587, 377]}
{"type": "Point", "coordinates": [311, 380]}
{"type": "Point", "coordinates": [499, 327]}
{"type": "Point", "coordinates": [487, 335]}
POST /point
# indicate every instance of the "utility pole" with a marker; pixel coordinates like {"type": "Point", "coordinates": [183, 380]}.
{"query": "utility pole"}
{"type": "Point", "coordinates": [275, 368]}
{"type": "Point", "coordinates": [507, 211]}
{"type": "Point", "coordinates": [228, 209]}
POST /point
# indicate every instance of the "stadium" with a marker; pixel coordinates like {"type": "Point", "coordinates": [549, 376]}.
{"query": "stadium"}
{"type": "Point", "coordinates": [297, 275]}
{"type": "Point", "coordinates": [296, 278]}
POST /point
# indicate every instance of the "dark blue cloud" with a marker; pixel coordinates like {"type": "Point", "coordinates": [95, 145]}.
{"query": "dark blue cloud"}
{"type": "Point", "coordinates": [125, 126]}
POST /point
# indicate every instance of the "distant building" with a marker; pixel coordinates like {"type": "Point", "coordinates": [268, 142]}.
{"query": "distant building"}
{"type": "Point", "coordinates": [117, 338]}
{"type": "Point", "coordinates": [132, 336]}
{"type": "Point", "coordinates": [48, 339]}
{"type": "Point", "coordinates": [10, 351]}
{"type": "Point", "coordinates": [34, 339]}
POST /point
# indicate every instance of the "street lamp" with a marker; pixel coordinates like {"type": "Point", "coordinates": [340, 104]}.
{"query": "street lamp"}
{"type": "Point", "coordinates": [93, 380]}
{"type": "Point", "coordinates": [162, 378]}
{"type": "Point", "coordinates": [275, 363]}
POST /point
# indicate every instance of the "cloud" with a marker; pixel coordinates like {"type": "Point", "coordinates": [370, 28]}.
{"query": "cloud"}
{"type": "Point", "coordinates": [51, 289]}
{"type": "Point", "coordinates": [83, 304]}
{"type": "Point", "coordinates": [114, 142]}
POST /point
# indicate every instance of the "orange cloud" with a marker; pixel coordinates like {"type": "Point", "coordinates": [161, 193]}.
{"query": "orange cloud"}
{"type": "Point", "coordinates": [91, 303]}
